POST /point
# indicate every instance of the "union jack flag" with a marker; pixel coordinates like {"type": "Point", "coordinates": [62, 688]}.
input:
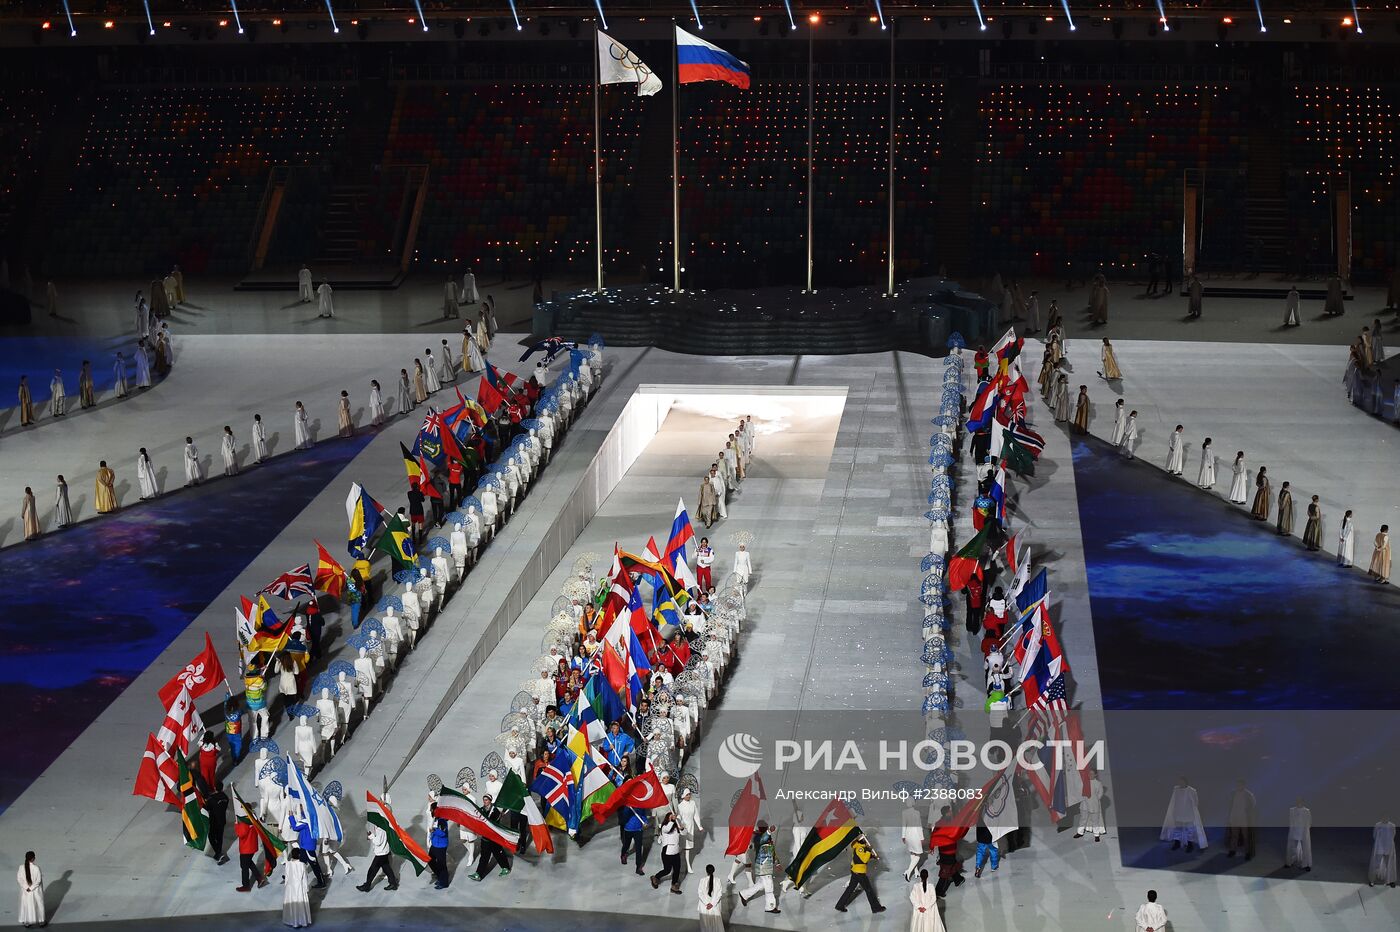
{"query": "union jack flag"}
{"type": "Point", "coordinates": [293, 584]}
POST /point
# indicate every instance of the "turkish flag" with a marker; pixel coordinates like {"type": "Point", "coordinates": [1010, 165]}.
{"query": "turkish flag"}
{"type": "Point", "coordinates": [643, 791]}
{"type": "Point", "coordinates": [744, 814]}
{"type": "Point", "coordinates": [200, 675]}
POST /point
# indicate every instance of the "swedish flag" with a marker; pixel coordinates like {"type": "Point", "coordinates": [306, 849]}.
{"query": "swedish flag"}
{"type": "Point", "coordinates": [397, 542]}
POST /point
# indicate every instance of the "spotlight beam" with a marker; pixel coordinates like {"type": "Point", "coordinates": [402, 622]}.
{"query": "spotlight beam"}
{"type": "Point", "coordinates": [238, 21]}
{"type": "Point", "coordinates": [981, 20]}
{"type": "Point", "coordinates": [421, 18]}
{"type": "Point", "coordinates": [792, 23]}
{"type": "Point", "coordinates": [880, 12]}
{"type": "Point", "coordinates": [513, 13]}
{"type": "Point", "coordinates": [149, 24]}
{"type": "Point", "coordinates": [1356, 17]}
{"type": "Point", "coordinates": [602, 18]}
{"type": "Point", "coordinates": [1260, 10]}
{"type": "Point", "coordinates": [335, 27]}
{"type": "Point", "coordinates": [72, 30]}
{"type": "Point", "coordinates": [696, 10]}
{"type": "Point", "coordinates": [1068, 15]}
{"type": "Point", "coordinates": [1162, 16]}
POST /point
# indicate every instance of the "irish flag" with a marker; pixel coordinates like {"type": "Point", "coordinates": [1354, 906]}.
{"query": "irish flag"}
{"type": "Point", "coordinates": [400, 842]}
{"type": "Point", "coordinates": [515, 797]}
{"type": "Point", "coordinates": [456, 807]}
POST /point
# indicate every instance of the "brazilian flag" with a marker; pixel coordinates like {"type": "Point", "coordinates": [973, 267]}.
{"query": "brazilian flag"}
{"type": "Point", "coordinates": [834, 830]}
{"type": "Point", "coordinates": [194, 820]}
{"type": "Point", "coordinates": [397, 542]}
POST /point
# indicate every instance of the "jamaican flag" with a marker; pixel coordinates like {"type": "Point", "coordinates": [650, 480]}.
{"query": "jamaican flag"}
{"type": "Point", "coordinates": [397, 542]}
{"type": "Point", "coordinates": [194, 820]}
{"type": "Point", "coordinates": [835, 829]}
{"type": "Point", "coordinates": [272, 843]}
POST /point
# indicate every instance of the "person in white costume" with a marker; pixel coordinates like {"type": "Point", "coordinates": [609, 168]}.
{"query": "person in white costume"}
{"type": "Point", "coordinates": [301, 428]}
{"type": "Point", "coordinates": [912, 835]}
{"type": "Point", "coordinates": [194, 471]}
{"type": "Point", "coordinates": [1091, 810]}
{"type": "Point", "coordinates": [430, 370]}
{"type": "Point", "coordinates": [58, 395]}
{"type": "Point", "coordinates": [1151, 917]}
{"type": "Point", "coordinates": [1290, 308]}
{"type": "Point", "coordinates": [376, 403]}
{"type": "Point", "coordinates": [1130, 434]}
{"type": "Point", "coordinates": [1176, 452]}
{"type": "Point", "coordinates": [228, 449]}
{"type": "Point", "coordinates": [32, 911]}
{"type": "Point", "coordinates": [1298, 849]}
{"type": "Point", "coordinates": [710, 902]}
{"type": "Point", "coordinates": [325, 303]}
{"type": "Point", "coordinates": [296, 895]}
{"type": "Point", "coordinates": [259, 439]}
{"type": "Point", "coordinates": [1382, 869]}
{"type": "Point", "coordinates": [924, 899]}
{"type": "Point", "coordinates": [743, 565]}
{"type": "Point", "coordinates": [1346, 541]}
{"type": "Point", "coordinates": [1183, 819]}
{"type": "Point", "coordinates": [1239, 483]}
{"type": "Point", "coordinates": [1206, 479]}
{"type": "Point", "coordinates": [304, 292]}
{"type": "Point", "coordinates": [146, 475]}
{"type": "Point", "coordinates": [1120, 421]}
{"type": "Point", "coordinates": [449, 299]}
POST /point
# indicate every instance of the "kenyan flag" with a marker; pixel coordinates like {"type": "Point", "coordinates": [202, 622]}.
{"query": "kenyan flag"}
{"type": "Point", "coordinates": [400, 842]}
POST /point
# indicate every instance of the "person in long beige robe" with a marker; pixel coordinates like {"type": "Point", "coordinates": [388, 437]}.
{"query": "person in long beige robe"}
{"type": "Point", "coordinates": [1263, 495]}
{"type": "Point", "coordinates": [347, 426]}
{"type": "Point", "coordinates": [1081, 411]}
{"type": "Point", "coordinates": [106, 489]}
{"type": "Point", "coordinates": [1380, 558]}
{"type": "Point", "coordinates": [86, 396]}
{"type": "Point", "coordinates": [420, 387]}
{"type": "Point", "coordinates": [1312, 530]}
{"type": "Point", "coordinates": [179, 277]}
{"type": "Point", "coordinates": [708, 509]}
{"type": "Point", "coordinates": [1110, 369]}
{"type": "Point", "coordinates": [160, 307]}
{"type": "Point", "coordinates": [1284, 526]}
{"type": "Point", "coordinates": [26, 403]}
{"type": "Point", "coordinates": [29, 515]}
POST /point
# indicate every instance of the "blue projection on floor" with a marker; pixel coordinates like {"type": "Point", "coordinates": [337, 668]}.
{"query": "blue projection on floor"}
{"type": "Point", "coordinates": [108, 596]}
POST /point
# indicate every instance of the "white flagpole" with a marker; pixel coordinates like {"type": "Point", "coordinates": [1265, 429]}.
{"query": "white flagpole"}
{"type": "Point", "coordinates": [889, 188]}
{"type": "Point", "coordinates": [675, 164]}
{"type": "Point", "coordinates": [811, 34]}
{"type": "Point", "coordinates": [597, 161]}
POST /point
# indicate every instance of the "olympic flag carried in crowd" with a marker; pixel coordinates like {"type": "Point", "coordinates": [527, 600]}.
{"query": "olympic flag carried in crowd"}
{"type": "Point", "coordinates": [617, 65]}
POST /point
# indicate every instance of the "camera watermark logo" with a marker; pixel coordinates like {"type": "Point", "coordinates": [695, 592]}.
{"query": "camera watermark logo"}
{"type": "Point", "coordinates": [740, 755]}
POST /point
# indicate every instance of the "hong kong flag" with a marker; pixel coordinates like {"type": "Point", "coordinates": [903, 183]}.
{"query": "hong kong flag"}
{"type": "Point", "coordinates": [201, 675]}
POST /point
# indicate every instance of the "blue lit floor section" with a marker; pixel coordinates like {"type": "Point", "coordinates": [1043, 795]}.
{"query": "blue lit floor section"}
{"type": "Point", "coordinates": [91, 607]}
{"type": "Point", "coordinates": [1198, 610]}
{"type": "Point", "coordinates": [37, 357]}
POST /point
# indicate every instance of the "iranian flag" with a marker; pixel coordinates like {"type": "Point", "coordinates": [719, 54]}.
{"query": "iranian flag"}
{"type": "Point", "coordinates": [515, 797]}
{"type": "Point", "coordinates": [400, 842]}
{"type": "Point", "coordinates": [456, 807]}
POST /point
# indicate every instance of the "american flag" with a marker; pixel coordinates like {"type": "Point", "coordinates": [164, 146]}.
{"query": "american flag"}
{"type": "Point", "coordinates": [1050, 711]}
{"type": "Point", "coordinates": [292, 584]}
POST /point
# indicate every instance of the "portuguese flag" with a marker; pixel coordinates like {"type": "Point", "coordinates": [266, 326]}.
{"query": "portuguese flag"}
{"type": "Point", "coordinates": [456, 807]}
{"type": "Point", "coordinates": [835, 829]}
{"type": "Point", "coordinates": [194, 820]}
{"type": "Point", "coordinates": [965, 561]}
{"type": "Point", "coordinates": [400, 842]}
{"type": "Point", "coordinates": [272, 843]}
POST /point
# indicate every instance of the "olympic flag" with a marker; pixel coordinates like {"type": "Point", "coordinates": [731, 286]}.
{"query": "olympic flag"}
{"type": "Point", "coordinates": [617, 65]}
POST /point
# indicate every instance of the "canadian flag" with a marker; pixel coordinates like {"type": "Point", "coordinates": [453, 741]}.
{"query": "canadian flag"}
{"type": "Point", "coordinates": [158, 774]}
{"type": "Point", "coordinates": [182, 726]}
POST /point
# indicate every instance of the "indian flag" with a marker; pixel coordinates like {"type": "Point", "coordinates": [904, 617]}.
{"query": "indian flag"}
{"type": "Point", "coordinates": [834, 830]}
{"type": "Point", "coordinates": [400, 842]}
{"type": "Point", "coordinates": [456, 807]}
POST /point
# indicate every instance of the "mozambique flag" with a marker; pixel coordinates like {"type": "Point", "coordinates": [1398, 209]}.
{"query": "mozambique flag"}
{"type": "Point", "coordinates": [967, 560]}
{"type": "Point", "coordinates": [330, 575]}
{"type": "Point", "coordinates": [194, 820]}
{"type": "Point", "coordinates": [1016, 456]}
{"type": "Point", "coordinates": [272, 843]}
{"type": "Point", "coordinates": [400, 842]}
{"type": "Point", "coordinates": [834, 830]}
{"type": "Point", "coordinates": [397, 542]}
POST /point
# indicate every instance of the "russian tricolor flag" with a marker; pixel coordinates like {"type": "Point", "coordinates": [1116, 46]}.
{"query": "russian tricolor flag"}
{"type": "Point", "coordinates": [698, 60]}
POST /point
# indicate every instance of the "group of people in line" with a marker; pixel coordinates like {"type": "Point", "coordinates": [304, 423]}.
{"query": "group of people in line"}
{"type": "Point", "coordinates": [1364, 377]}
{"type": "Point", "coordinates": [150, 361]}
{"type": "Point", "coordinates": [1183, 827]}
{"type": "Point", "coordinates": [726, 474]}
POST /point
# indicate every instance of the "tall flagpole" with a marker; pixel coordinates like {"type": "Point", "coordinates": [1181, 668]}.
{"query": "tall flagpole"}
{"type": "Point", "coordinates": [675, 164]}
{"type": "Point", "coordinates": [889, 188]}
{"type": "Point", "coordinates": [811, 33]}
{"type": "Point", "coordinates": [597, 160]}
